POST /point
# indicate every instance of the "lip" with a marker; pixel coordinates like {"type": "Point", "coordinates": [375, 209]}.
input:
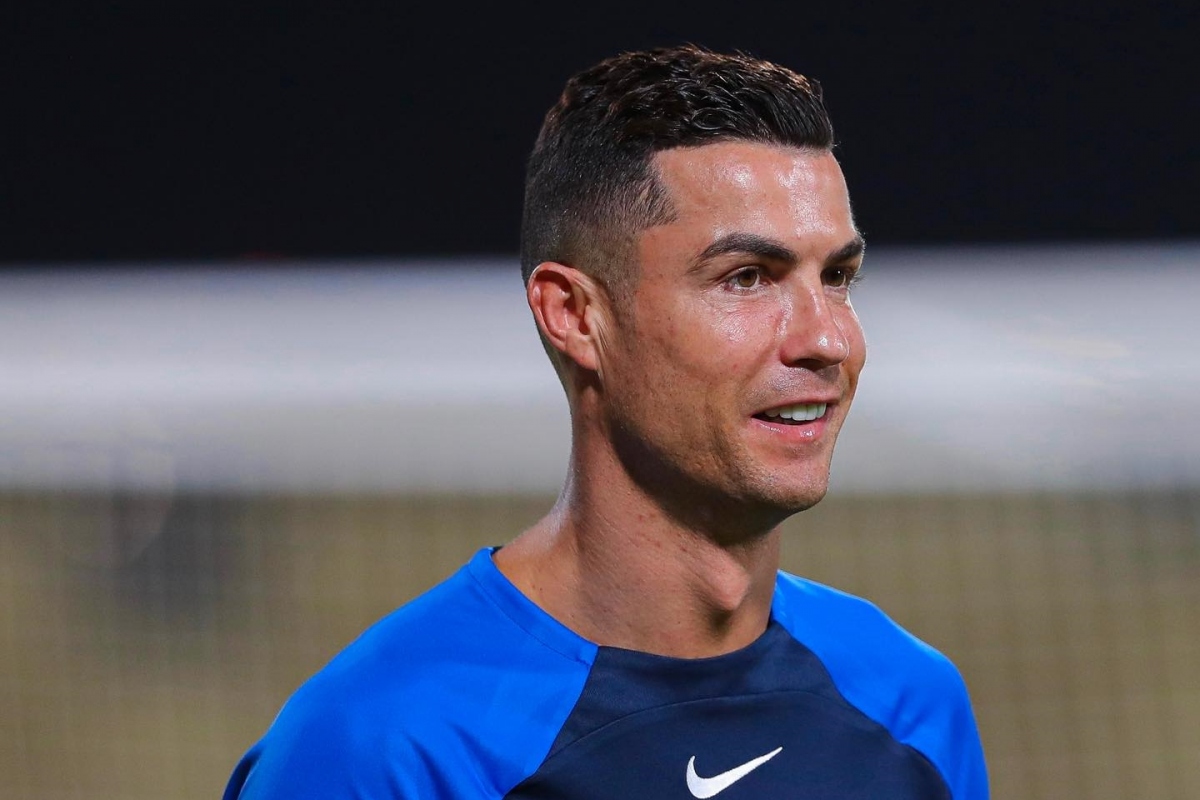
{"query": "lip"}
{"type": "Point", "coordinates": [797, 432]}
{"type": "Point", "coordinates": [830, 402]}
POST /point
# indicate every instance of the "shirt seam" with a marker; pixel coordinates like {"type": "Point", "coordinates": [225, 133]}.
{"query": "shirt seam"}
{"type": "Point", "coordinates": [540, 640]}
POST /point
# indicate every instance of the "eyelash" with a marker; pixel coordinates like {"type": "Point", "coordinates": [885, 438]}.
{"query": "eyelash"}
{"type": "Point", "coordinates": [852, 276]}
{"type": "Point", "coordinates": [756, 272]}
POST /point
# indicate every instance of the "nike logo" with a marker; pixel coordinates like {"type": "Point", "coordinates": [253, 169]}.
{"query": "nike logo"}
{"type": "Point", "coordinates": [710, 787]}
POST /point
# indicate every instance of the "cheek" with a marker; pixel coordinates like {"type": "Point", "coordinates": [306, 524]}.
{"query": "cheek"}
{"type": "Point", "coordinates": [706, 341]}
{"type": "Point", "coordinates": [745, 336]}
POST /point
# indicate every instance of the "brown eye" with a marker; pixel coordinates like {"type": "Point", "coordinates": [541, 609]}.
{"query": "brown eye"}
{"type": "Point", "coordinates": [838, 277]}
{"type": "Point", "coordinates": [746, 279]}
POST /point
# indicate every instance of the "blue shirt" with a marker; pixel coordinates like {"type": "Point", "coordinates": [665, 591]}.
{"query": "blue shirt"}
{"type": "Point", "coordinates": [472, 691]}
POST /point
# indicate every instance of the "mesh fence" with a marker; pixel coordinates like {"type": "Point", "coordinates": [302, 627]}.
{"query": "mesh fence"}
{"type": "Point", "coordinates": [146, 642]}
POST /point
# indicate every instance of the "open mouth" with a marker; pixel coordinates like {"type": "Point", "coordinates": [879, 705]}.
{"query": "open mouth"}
{"type": "Point", "coordinates": [794, 414]}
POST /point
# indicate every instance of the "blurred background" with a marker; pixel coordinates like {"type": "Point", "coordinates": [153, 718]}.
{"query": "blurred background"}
{"type": "Point", "coordinates": [266, 370]}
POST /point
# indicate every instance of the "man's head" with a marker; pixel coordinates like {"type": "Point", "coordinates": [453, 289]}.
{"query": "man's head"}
{"type": "Point", "coordinates": [688, 257]}
{"type": "Point", "coordinates": [591, 185]}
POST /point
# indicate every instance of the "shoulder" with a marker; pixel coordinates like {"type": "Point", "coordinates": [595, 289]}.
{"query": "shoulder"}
{"type": "Point", "coordinates": [405, 710]}
{"type": "Point", "coordinates": [890, 675]}
{"type": "Point", "coordinates": [858, 642]}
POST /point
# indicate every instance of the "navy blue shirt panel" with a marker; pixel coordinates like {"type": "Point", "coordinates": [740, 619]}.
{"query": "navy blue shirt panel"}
{"type": "Point", "coordinates": [823, 750]}
{"type": "Point", "coordinates": [642, 719]}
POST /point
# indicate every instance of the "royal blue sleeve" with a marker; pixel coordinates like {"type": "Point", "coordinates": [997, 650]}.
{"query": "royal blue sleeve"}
{"type": "Point", "coordinates": [891, 676]}
{"type": "Point", "coordinates": [458, 694]}
{"type": "Point", "coordinates": [314, 750]}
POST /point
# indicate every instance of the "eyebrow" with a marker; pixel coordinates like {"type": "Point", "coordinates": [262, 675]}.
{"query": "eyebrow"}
{"type": "Point", "coordinates": [749, 244]}
{"type": "Point", "coordinates": [849, 251]}
{"type": "Point", "coordinates": [771, 249]}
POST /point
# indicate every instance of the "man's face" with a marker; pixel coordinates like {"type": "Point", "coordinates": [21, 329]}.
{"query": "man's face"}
{"type": "Point", "coordinates": [740, 318]}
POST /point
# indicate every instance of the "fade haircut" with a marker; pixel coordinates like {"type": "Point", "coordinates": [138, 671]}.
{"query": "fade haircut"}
{"type": "Point", "coordinates": [591, 185]}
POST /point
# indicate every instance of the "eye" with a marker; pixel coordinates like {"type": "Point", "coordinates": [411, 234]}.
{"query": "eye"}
{"type": "Point", "coordinates": [747, 278]}
{"type": "Point", "coordinates": [840, 277]}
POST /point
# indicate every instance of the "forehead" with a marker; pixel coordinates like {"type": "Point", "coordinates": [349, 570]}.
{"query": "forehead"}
{"type": "Point", "coordinates": [785, 192]}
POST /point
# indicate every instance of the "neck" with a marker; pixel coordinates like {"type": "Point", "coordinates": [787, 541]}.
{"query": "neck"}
{"type": "Point", "coordinates": [614, 565]}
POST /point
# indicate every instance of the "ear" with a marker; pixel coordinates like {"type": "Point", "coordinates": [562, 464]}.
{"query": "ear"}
{"type": "Point", "coordinates": [571, 309]}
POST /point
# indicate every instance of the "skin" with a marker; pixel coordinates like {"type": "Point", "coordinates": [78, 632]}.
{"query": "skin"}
{"type": "Point", "coordinates": [665, 538]}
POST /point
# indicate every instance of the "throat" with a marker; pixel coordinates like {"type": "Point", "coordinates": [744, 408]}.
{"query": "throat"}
{"type": "Point", "coordinates": [699, 601]}
{"type": "Point", "coordinates": [642, 581]}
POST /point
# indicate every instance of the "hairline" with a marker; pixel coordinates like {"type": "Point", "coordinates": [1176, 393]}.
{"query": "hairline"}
{"type": "Point", "coordinates": [625, 276]}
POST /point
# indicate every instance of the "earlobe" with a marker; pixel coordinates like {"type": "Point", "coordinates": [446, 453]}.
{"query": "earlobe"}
{"type": "Point", "coordinates": [566, 305]}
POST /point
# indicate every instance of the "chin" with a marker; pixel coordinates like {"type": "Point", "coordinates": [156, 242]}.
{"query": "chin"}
{"type": "Point", "coordinates": [792, 498]}
{"type": "Point", "coordinates": [804, 501]}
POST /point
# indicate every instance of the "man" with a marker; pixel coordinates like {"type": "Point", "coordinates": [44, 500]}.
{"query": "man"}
{"type": "Point", "coordinates": [688, 252]}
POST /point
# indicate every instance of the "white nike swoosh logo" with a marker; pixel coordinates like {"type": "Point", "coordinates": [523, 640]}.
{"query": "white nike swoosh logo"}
{"type": "Point", "coordinates": [709, 787]}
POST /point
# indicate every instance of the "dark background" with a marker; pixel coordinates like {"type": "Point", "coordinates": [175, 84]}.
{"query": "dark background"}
{"type": "Point", "coordinates": [178, 131]}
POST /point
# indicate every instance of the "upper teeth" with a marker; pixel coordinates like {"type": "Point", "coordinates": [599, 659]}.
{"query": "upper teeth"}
{"type": "Point", "coordinates": [803, 412]}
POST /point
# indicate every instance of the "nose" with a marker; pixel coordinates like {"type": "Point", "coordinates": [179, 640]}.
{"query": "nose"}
{"type": "Point", "coordinates": [813, 332]}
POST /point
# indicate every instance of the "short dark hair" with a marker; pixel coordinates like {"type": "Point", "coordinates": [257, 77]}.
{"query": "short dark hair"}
{"type": "Point", "coordinates": [590, 186]}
